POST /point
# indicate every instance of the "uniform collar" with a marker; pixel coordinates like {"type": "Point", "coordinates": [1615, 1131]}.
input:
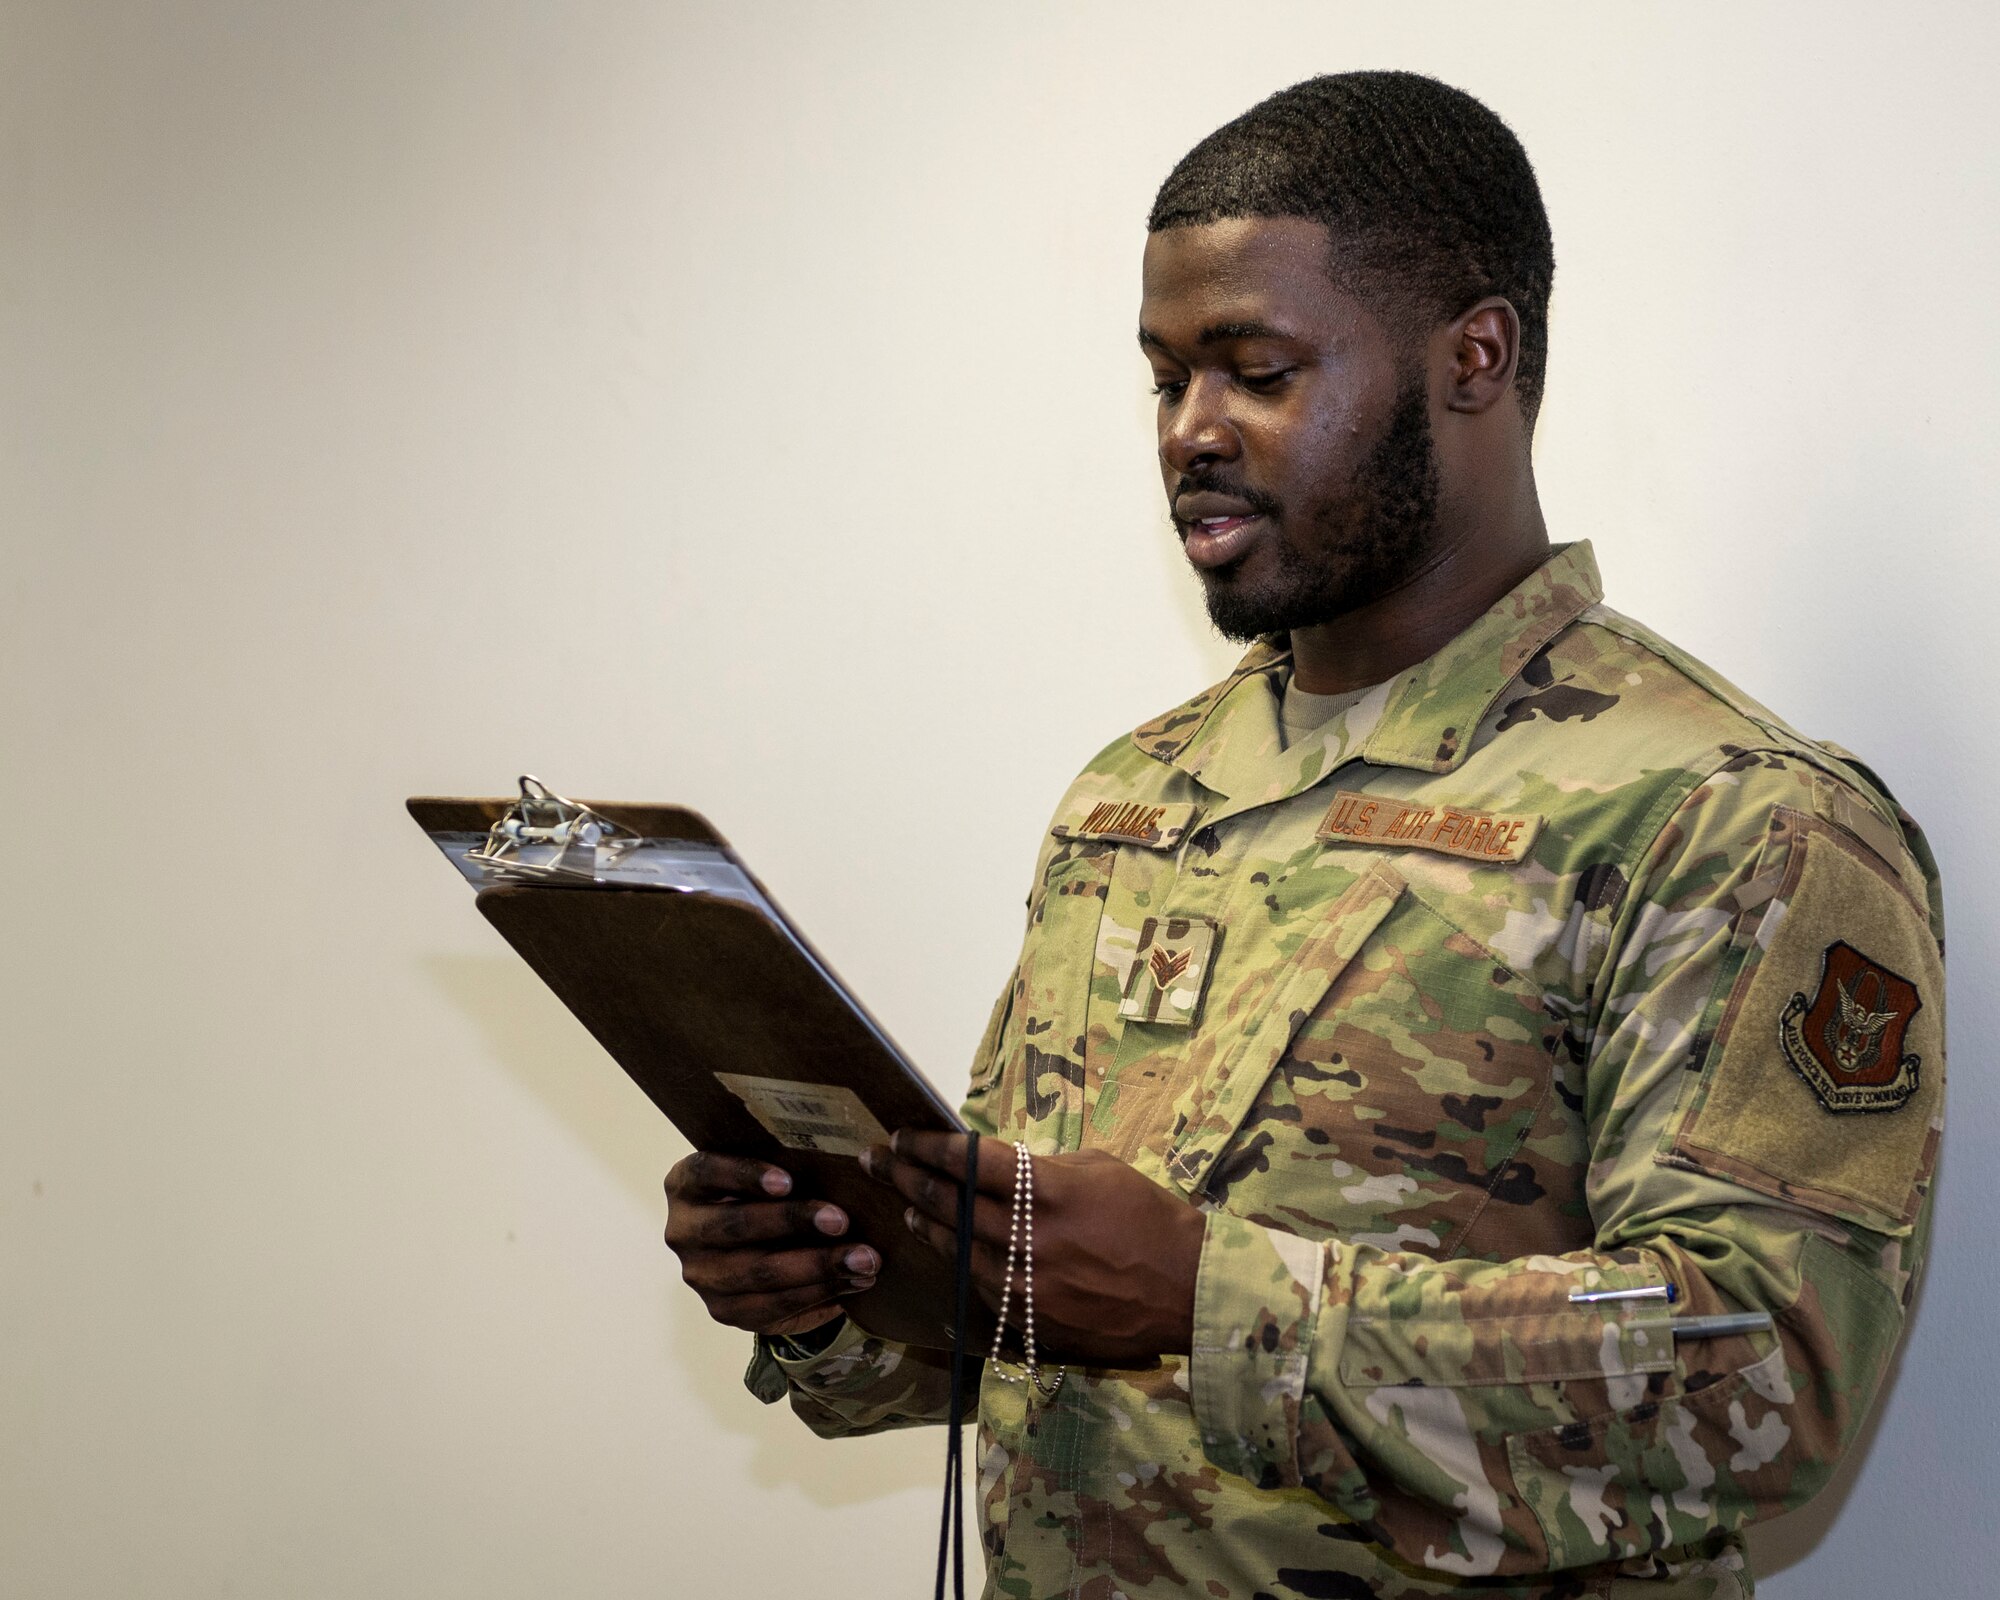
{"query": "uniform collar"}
{"type": "Point", "coordinates": [1432, 707]}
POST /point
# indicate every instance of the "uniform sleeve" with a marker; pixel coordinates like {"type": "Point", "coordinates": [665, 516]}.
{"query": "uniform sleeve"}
{"type": "Point", "coordinates": [1764, 1099]}
{"type": "Point", "coordinates": [857, 1383]}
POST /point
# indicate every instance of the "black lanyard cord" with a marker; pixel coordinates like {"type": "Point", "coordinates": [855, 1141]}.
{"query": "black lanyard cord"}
{"type": "Point", "coordinates": [951, 1534]}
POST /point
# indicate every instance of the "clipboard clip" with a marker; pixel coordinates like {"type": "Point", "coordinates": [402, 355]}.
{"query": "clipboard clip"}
{"type": "Point", "coordinates": [545, 838]}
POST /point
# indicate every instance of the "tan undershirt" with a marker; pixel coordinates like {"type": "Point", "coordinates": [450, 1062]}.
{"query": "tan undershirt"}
{"type": "Point", "coordinates": [1300, 713]}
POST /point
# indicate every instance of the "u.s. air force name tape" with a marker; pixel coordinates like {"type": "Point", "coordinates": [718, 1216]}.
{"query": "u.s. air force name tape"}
{"type": "Point", "coordinates": [1368, 819]}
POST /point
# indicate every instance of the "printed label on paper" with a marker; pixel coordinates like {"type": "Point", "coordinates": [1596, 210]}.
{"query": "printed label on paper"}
{"type": "Point", "coordinates": [807, 1116]}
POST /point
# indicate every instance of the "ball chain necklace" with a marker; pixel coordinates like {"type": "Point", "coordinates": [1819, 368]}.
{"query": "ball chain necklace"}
{"type": "Point", "coordinates": [1021, 1257]}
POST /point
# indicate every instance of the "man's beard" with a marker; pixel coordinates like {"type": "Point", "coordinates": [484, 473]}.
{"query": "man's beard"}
{"type": "Point", "coordinates": [1392, 517]}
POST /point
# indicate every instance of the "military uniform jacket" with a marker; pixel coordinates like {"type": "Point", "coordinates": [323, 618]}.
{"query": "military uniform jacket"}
{"type": "Point", "coordinates": [1556, 966]}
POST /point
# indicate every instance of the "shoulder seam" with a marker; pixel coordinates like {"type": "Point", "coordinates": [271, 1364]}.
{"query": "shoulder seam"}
{"type": "Point", "coordinates": [1784, 739]}
{"type": "Point", "coordinates": [1698, 673]}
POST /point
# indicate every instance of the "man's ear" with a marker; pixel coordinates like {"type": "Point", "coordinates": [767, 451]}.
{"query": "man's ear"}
{"type": "Point", "coordinates": [1483, 347]}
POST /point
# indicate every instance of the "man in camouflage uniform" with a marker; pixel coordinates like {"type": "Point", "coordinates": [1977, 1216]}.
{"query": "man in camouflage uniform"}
{"type": "Point", "coordinates": [1410, 1086]}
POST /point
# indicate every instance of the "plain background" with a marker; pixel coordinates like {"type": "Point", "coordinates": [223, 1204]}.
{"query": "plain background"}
{"type": "Point", "coordinates": [737, 404]}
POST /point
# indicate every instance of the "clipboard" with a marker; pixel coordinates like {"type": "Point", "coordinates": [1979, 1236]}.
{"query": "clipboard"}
{"type": "Point", "coordinates": [661, 942]}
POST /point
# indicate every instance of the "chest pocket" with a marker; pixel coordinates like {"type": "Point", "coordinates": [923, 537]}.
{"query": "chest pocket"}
{"type": "Point", "coordinates": [1405, 1096]}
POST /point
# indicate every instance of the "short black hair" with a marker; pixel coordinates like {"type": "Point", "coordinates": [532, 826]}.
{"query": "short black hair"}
{"type": "Point", "coordinates": [1426, 192]}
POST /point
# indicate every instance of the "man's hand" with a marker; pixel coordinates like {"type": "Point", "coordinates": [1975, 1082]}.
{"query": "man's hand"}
{"type": "Point", "coordinates": [1115, 1254]}
{"type": "Point", "coordinates": [758, 1259]}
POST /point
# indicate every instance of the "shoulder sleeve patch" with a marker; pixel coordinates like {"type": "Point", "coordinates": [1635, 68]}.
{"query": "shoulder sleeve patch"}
{"type": "Point", "coordinates": [1823, 1084]}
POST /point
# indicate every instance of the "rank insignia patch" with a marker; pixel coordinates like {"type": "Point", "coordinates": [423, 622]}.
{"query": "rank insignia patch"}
{"type": "Point", "coordinates": [1847, 1041]}
{"type": "Point", "coordinates": [1174, 956]}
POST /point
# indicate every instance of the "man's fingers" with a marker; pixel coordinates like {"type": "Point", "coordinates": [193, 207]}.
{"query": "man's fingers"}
{"type": "Point", "coordinates": [729, 1274]}
{"type": "Point", "coordinates": [988, 1261]}
{"type": "Point", "coordinates": [717, 1226]}
{"type": "Point", "coordinates": [708, 1176]}
{"type": "Point", "coordinates": [946, 1153]}
{"type": "Point", "coordinates": [941, 1239]}
{"type": "Point", "coordinates": [936, 1193]}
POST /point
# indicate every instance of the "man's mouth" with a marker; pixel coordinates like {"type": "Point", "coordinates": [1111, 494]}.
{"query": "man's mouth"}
{"type": "Point", "coordinates": [1212, 542]}
{"type": "Point", "coordinates": [1216, 527]}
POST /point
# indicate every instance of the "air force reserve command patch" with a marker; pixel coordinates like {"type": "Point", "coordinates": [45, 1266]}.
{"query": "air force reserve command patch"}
{"type": "Point", "coordinates": [1847, 1041]}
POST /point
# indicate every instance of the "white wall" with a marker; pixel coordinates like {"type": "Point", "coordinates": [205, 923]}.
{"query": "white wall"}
{"type": "Point", "coordinates": [737, 404]}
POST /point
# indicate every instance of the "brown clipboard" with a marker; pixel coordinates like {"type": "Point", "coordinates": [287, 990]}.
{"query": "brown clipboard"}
{"type": "Point", "coordinates": [681, 986]}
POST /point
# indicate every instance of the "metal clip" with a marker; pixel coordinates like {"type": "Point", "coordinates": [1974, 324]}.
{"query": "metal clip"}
{"type": "Point", "coordinates": [570, 842]}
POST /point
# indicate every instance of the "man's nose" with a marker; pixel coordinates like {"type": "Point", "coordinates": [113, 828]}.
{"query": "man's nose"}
{"type": "Point", "coordinates": [1199, 431]}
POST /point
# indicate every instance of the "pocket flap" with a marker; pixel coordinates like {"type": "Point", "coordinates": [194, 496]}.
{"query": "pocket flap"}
{"type": "Point", "coordinates": [1208, 1115]}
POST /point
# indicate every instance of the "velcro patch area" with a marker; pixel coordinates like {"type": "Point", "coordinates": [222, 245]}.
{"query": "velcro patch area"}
{"type": "Point", "coordinates": [1370, 819]}
{"type": "Point", "coordinates": [1824, 1084]}
{"type": "Point", "coordinates": [1157, 827]}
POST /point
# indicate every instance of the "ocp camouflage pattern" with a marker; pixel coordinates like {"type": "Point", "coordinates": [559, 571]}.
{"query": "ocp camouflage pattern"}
{"type": "Point", "coordinates": [1427, 1098]}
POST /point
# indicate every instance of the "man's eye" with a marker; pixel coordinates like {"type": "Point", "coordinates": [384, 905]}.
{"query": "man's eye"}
{"type": "Point", "coordinates": [1170, 388]}
{"type": "Point", "coordinates": [1264, 382]}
